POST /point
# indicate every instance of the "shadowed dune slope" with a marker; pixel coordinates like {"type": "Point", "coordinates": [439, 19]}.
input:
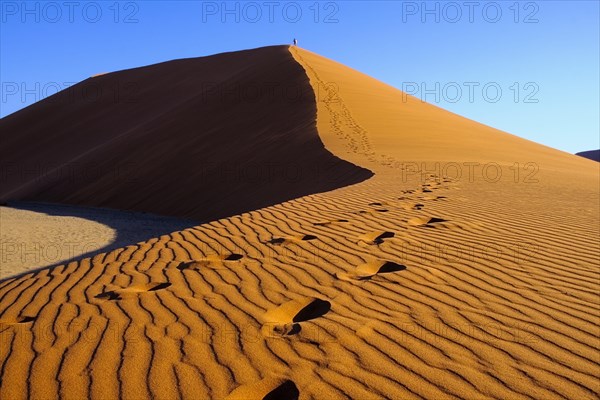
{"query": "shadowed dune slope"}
{"type": "Point", "coordinates": [200, 138]}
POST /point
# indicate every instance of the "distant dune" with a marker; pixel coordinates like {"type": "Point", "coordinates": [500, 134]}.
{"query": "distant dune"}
{"type": "Point", "coordinates": [592, 154]}
{"type": "Point", "coordinates": [435, 258]}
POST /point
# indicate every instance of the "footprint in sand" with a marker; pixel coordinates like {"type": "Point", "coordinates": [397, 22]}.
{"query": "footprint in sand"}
{"type": "Point", "coordinates": [213, 261]}
{"type": "Point", "coordinates": [16, 321]}
{"type": "Point", "coordinates": [424, 190]}
{"type": "Point", "coordinates": [433, 198]}
{"type": "Point", "coordinates": [271, 388]}
{"type": "Point", "coordinates": [381, 203]}
{"type": "Point", "coordinates": [424, 221]}
{"type": "Point", "coordinates": [373, 211]}
{"type": "Point", "coordinates": [432, 183]}
{"type": "Point", "coordinates": [448, 180]}
{"type": "Point", "coordinates": [131, 291]}
{"type": "Point", "coordinates": [329, 222]}
{"type": "Point", "coordinates": [375, 237]}
{"type": "Point", "coordinates": [412, 206]}
{"type": "Point", "coordinates": [284, 320]}
{"type": "Point", "coordinates": [291, 239]}
{"type": "Point", "coordinates": [370, 269]}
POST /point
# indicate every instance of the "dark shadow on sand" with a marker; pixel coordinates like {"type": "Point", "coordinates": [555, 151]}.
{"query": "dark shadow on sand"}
{"type": "Point", "coordinates": [314, 310]}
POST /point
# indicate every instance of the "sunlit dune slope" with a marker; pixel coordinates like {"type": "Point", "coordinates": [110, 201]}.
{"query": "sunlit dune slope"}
{"type": "Point", "coordinates": [380, 122]}
{"type": "Point", "coordinates": [201, 138]}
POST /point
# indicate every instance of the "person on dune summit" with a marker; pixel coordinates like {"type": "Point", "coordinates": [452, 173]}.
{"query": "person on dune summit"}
{"type": "Point", "coordinates": [295, 42]}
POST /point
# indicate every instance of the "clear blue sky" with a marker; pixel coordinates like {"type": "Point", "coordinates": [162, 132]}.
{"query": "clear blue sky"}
{"type": "Point", "coordinates": [543, 56]}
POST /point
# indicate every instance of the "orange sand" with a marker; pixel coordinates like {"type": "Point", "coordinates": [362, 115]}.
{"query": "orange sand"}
{"type": "Point", "coordinates": [414, 283]}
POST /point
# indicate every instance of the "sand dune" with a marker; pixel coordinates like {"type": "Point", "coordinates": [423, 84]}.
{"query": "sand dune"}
{"type": "Point", "coordinates": [201, 138]}
{"type": "Point", "coordinates": [472, 288]}
{"type": "Point", "coordinates": [591, 154]}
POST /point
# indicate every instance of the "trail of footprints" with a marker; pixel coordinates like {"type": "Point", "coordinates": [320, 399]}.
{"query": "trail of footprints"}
{"type": "Point", "coordinates": [343, 123]}
{"type": "Point", "coordinates": [286, 320]}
